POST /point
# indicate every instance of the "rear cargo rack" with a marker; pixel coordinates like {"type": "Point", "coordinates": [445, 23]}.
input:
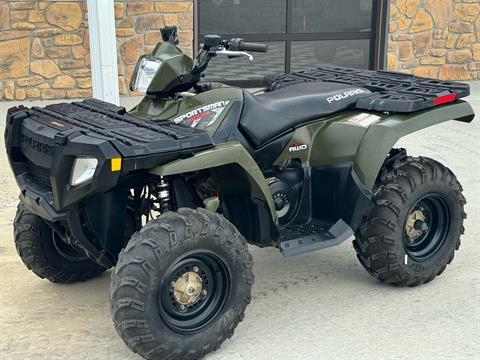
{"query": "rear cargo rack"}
{"type": "Point", "coordinates": [391, 92]}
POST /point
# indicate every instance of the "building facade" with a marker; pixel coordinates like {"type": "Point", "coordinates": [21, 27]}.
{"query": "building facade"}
{"type": "Point", "coordinates": [44, 45]}
{"type": "Point", "coordinates": [435, 38]}
{"type": "Point", "coordinates": [45, 51]}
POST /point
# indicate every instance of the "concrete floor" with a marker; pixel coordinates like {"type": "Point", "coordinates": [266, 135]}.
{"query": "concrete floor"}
{"type": "Point", "coordinates": [321, 305]}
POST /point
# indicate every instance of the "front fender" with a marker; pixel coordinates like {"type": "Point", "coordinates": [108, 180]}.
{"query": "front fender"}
{"type": "Point", "coordinates": [241, 184]}
{"type": "Point", "coordinates": [382, 136]}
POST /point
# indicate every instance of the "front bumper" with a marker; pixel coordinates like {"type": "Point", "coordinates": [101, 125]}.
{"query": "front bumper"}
{"type": "Point", "coordinates": [39, 200]}
{"type": "Point", "coordinates": [42, 144]}
{"type": "Point", "coordinates": [42, 161]}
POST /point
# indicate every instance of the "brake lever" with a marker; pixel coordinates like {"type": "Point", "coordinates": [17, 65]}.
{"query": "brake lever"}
{"type": "Point", "coordinates": [234, 54]}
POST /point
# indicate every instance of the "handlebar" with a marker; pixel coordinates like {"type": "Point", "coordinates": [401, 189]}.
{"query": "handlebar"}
{"type": "Point", "coordinates": [213, 45]}
{"type": "Point", "coordinates": [255, 47]}
{"type": "Point", "coordinates": [240, 45]}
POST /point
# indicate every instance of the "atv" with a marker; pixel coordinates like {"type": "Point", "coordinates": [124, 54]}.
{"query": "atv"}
{"type": "Point", "coordinates": [171, 192]}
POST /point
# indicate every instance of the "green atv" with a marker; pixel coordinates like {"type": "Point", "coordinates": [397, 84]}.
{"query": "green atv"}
{"type": "Point", "coordinates": [171, 192]}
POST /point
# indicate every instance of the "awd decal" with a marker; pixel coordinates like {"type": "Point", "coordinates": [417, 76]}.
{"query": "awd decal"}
{"type": "Point", "coordinates": [297, 147]}
{"type": "Point", "coordinates": [202, 117]}
{"type": "Point", "coordinates": [345, 95]}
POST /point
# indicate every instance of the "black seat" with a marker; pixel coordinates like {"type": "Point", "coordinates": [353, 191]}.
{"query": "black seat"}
{"type": "Point", "coordinates": [268, 115]}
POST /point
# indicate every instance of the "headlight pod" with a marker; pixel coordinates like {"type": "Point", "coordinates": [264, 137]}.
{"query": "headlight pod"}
{"type": "Point", "coordinates": [145, 70]}
{"type": "Point", "coordinates": [83, 170]}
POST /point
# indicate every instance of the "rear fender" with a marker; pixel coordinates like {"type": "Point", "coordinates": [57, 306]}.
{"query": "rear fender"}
{"type": "Point", "coordinates": [382, 136]}
{"type": "Point", "coordinates": [244, 191]}
{"type": "Point", "coordinates": [342, 138]}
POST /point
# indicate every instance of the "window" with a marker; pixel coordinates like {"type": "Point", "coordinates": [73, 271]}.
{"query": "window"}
{"type": "Point", "coordinates": [326, 16]}
{"type": "Point", "coordinates": [242, 16]}
{"type": "Point", "coordinates": [301, 34]}
{"type": "Point", "coordinates": [346, 53]}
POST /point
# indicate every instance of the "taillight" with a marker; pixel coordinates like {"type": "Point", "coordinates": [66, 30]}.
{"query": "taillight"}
{"type": "Point", "coordinates": [445, 99]}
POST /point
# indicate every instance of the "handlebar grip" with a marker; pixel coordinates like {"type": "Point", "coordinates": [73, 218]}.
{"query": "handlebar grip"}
{"type": "Point", "coordinates": [254, 47]}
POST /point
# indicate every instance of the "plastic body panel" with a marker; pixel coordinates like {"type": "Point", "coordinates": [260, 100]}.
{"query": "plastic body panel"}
{"type": "Point", "coordinates": [175, 66]}
{"type": "Point", "coordinates": [237, 176]}
{"type": "Point", "coordinates": [157, 109]}
{"type": "Point", "coordinates": [381, 137]}
{"type": "Point", "coordinates": [336, 140]}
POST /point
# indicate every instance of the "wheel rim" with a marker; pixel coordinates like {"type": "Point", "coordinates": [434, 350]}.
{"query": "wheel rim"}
{"type": "Point", "coordinates": [426, 227]}
{"type": "Point", "coordinates": [194, 292]}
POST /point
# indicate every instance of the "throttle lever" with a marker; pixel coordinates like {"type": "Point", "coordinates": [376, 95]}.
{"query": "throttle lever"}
{"type": "Point", "coordinates": [230, 53]}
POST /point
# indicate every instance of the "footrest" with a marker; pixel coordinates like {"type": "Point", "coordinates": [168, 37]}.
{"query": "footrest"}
{"type": "Point", "coordinates": [300, 240]}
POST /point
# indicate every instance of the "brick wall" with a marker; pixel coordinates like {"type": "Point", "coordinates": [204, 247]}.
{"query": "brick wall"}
{"type": "Point", "coordinates": [435, 38]}
{"type": "Point", "coordinates": [44, 45]}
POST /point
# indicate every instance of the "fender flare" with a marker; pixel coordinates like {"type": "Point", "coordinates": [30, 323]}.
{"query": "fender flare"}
{"type": "Point", "coordinates": [380, 138]}
{"type": "Point", "coordinates": [238, 175]}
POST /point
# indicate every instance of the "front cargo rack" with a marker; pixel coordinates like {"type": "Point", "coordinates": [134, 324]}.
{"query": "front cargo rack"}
{"type": "Point", "coordinates": [390, 92]}
{"type": "Point", "coordinates": [131, 136]}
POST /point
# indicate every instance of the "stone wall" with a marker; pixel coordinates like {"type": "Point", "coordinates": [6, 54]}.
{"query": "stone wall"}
{"type": "Point", "coordinates": [435, 38]}
{"type": "Point", "coordinates": [137, 27]}
{"type": "Point", "coordinates": [44, 50]}
{"type": "Point", "coordinates": [44, 45]}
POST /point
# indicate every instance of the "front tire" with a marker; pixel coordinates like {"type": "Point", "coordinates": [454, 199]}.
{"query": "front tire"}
{"type": "Point", "coordinates": [413, 228]}
{"type": "Point", "coordinates": [46, 255]}
{"type": "Point", "coordinates": [181, 285]}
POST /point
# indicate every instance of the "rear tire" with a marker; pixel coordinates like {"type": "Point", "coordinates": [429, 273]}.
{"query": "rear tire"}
{"type": "Point", "coordinates": [47, 257]}
{"type": "Point", "coordinates": [413, 227]}
{"type": "Point", "coordinates": [199, 249]}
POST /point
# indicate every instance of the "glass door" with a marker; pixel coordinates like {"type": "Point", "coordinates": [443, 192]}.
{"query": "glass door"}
{"type": "Point", "coordinates": [301, 34]}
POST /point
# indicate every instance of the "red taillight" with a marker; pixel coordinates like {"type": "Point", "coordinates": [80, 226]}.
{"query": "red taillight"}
{"type": "Point", "coordinates": [445, 99]}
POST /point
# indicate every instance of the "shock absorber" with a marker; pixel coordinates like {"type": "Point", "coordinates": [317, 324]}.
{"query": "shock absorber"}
{"type": "Point", "coordinates": [163, 193]}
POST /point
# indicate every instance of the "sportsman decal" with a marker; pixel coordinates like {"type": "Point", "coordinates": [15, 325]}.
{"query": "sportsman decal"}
{"type": "Point", "coordinates": [202, 117]}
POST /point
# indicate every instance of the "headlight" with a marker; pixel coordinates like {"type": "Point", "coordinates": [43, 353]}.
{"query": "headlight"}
{"type": "Point", "coordinates": [144, 73]}
{"type": "Point", "coordinates": [83, 170]}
